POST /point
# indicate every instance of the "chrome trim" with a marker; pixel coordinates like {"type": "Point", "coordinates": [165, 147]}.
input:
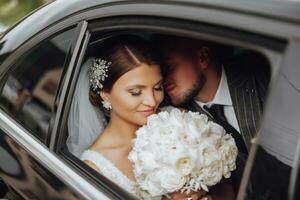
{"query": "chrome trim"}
{"type": "Point", "coordinates": [49, 160]}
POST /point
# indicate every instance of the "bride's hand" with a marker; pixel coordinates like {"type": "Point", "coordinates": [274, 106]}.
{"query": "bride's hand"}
{"type": "Point", "coordinates": [182, 196]}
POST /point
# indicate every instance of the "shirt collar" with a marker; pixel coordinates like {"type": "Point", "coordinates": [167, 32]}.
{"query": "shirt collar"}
{"type": "Point", "coordinates": [222, 96]}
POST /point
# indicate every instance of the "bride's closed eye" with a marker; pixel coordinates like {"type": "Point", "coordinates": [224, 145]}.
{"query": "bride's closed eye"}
{"type": "Point", "coordinates": [135, 92]}
{"type": "Point", "coordinates": [138, 90]}
{"type": "Point", "coordinates": [159, 87]}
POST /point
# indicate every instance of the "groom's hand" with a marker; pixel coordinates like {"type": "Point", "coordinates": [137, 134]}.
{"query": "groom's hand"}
{"type": "Point", "coordinates": [182, 196]}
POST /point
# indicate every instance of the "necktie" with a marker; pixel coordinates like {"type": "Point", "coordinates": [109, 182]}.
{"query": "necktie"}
{"type": "Point", "coordinates": [217, 112]}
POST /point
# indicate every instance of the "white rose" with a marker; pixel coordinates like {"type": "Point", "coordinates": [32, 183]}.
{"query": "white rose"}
{"type": "Point", "coordinates": [216, 134]}
{"type": "Point", "coordinates": [185, 165]}
{"type": "Point", "coordinates": [203, 128]}
{"type": "Point", "coordinates": [172, 152]}
{"type": "Point", "coordinates": [171, 180]}
{"type": "Point", "coordinates": [216, 129]}
{"type": "Point", "coordinates": [147, 161]}
{"type": "Point", "coordinates": [229, 152]}
{"type": "Point", "coordinates": [207, 153]}
{"type": "Point", "coordinates": [175, 118]}
{"type": "Point", "coordinates": [145, 195]}
{"type": "Point", "coordinates": [192, 134]}
{"type": "Point", "coordinates": [164, 115]}
{"type": "Point", "coordinates": [212, 174]}
{"type": "Point", "coordinates": [151, 185]}
{"type": "Point", "coordinates": [133, 156]}
{"type": "Point", "coordinates": [154, 121]}
{"type": "Point", "coordinates": [138, 144]}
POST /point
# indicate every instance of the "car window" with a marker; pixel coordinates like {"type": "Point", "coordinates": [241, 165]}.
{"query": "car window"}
{"type": "Point", "coordinates": [248, 73]}
{"type": "Point", "coordinates": [29, 92]}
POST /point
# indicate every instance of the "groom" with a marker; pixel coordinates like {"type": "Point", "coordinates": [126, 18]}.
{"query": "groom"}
{"type": "Point", "coordinates": [232, 96]}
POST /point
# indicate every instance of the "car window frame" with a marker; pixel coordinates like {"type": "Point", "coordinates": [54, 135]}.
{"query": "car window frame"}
{"type": "Point", "coordinates": [10, 65]}
{"type": "Point", "coordinates": [290, 60]}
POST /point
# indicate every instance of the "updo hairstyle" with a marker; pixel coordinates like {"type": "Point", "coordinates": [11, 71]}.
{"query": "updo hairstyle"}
{"type": "Point", "coordinates": [125, 52]}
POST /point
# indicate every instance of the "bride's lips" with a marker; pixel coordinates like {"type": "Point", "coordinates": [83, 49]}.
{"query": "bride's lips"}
{"type": "Point", "coordinates": [147, 113]}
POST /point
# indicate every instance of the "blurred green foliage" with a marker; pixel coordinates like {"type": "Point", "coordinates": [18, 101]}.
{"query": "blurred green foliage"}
{"type": "Point", "coordinates": [13, 10]}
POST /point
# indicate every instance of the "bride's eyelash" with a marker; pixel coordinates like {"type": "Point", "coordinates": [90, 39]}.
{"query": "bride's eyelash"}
{"type": "Point", "coordinates": [159, 88]}
{"type": "Point", "coordinates": [135, 92]}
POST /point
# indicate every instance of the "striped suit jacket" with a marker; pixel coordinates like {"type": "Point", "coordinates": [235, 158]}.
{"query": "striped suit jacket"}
{"type": "Point", "coordinates": [248, 84]}
{"type": "Point", "coordinates": [248, 81]}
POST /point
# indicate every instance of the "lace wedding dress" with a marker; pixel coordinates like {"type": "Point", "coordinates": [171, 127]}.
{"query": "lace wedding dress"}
{"type": "Point", "coordinates": [109, 170]}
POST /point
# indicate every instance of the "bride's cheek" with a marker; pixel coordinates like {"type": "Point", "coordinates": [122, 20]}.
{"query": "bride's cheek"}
{"type": "Point", "coordinates": [160, 97]}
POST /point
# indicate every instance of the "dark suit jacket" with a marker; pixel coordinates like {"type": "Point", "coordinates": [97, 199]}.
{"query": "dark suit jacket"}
{"type": "Point", "coordinates": [248, 78]}
{"type": "Point", "coordinates": [248, 85]}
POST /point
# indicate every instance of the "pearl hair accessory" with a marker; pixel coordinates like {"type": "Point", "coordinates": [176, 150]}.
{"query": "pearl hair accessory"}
{"type": "Point", "coordinates": [98, 73]}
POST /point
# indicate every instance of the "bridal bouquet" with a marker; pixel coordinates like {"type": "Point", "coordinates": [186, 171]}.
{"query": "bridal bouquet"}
{"type": "Point", "coordinates": [181, 151]}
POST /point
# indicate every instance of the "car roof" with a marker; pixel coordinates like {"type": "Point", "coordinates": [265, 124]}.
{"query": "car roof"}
{"type": "Point", "coordinates": [287, 11]}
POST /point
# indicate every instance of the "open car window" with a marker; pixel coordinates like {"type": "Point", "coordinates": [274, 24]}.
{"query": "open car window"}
{"type": "Point", "coordinates": [251, 101]}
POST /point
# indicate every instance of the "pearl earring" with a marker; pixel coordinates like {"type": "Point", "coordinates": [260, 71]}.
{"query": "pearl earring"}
{"type": "Point", "coordinates": [106, 105]}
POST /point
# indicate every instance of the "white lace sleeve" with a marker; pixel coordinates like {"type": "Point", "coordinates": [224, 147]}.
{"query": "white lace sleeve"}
{"type": "Point", "coordinates": [109, 170]}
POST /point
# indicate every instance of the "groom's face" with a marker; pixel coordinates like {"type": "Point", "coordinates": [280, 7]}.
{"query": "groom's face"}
{"type": "Point", "coordinates": [183, 79]}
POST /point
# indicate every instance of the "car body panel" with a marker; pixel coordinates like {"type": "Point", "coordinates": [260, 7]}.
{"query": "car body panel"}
{"type": "Point", "coordinates": [279, 21]}
{"type": "Point", "coordinates": [33, 165]}
{"type": "Point", "coordinates": [232, 13]}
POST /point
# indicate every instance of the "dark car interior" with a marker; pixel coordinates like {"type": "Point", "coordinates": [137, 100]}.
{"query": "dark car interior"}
{"type": "Point", "coordinates": [230, 56]}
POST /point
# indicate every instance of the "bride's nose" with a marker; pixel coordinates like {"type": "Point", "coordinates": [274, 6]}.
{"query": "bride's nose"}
{"type": "Point", "coordinates": [149, 99]}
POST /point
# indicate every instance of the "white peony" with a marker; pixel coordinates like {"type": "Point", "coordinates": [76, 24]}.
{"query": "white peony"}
{"type": "Point", "coordinates": [171, 181]}
{"type": "Point", "coordinates": [152, 185]}
{"type": "Point", "coordinates": [229, 152]}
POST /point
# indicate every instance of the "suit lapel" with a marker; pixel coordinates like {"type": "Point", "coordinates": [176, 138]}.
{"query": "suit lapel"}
{"type": "Point", "coordinates": [194, 107]}
{"type": "Point", "coordinates": [245, 100]}
{"type": "Point", "coordinates": [246, 103]}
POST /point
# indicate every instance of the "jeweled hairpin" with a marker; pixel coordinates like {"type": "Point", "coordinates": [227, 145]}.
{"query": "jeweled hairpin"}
{"type": "Point", "coordinates": [98, 73]}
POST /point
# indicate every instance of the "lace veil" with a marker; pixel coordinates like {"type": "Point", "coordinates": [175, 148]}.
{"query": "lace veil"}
{"type": "Point", "coordinates": [85, 121]}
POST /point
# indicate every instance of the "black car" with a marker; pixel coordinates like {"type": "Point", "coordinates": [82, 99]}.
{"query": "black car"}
{"type": "Point", "coordinates": [41, 56]}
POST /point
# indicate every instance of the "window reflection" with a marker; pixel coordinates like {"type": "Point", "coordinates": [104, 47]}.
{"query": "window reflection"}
{"type": "Point", "coordinates": [30, 90]}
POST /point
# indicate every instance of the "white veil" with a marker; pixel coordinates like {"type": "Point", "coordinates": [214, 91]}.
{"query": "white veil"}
{"type": "Point", "coordinates": [85, 121]}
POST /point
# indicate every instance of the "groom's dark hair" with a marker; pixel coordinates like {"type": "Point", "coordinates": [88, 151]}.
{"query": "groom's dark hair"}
{"type": "Point", "coordinates": [189, 46]}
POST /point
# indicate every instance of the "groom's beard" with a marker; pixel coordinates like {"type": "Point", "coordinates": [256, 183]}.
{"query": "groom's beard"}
{"type": "Point", "coordinates": [191, 93]}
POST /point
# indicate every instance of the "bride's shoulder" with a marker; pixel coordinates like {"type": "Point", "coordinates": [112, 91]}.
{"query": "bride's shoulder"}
{"type": "Point", "coordinates": [169, 108]}
{"type": "Point", "coordinates": [88, 157]}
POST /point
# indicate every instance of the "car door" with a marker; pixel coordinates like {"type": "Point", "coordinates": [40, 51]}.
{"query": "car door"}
{"type": "Point", "coordinates": [30, 91]}
{"type": "Point", "coordinates": [279, 135]}
{"type": "Point", "coordinates": [69, 177]}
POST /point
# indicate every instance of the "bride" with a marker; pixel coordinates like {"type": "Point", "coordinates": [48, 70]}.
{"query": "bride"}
{"type": "Point", "coordinates": [126, 82]}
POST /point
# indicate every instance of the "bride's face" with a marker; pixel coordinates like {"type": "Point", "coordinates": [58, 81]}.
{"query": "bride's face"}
{"type": "Point", "coordinates": [137, 94]}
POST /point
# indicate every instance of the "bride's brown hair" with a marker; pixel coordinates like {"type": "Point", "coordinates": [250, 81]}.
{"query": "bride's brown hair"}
{"type": "Point", "coordinates": [125, 52]}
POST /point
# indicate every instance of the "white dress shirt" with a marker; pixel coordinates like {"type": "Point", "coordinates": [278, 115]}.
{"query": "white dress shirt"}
{"type": "Point", "coordinates": [222, 97]}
